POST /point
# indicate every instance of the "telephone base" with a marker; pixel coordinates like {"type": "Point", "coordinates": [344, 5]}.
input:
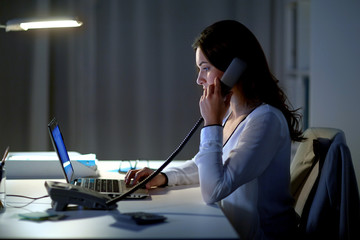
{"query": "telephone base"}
{"type": "Point", "coordinates": [63, 194]}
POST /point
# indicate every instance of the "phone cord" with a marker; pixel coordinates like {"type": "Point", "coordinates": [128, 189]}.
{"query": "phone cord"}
{"type": "Point", "coordinates": [151, 176]}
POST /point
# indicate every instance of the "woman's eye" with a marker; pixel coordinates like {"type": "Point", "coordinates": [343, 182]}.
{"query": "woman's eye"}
{"type": "Point", "coordinates": [206, 69]}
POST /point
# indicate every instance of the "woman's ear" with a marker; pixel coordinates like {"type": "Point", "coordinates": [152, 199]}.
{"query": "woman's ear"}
{"type": "Point", "coordinates": [228, 98]}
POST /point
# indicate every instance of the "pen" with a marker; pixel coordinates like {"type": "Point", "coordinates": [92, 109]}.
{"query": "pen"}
{"type": "Point", "coordinates": [2, 163]}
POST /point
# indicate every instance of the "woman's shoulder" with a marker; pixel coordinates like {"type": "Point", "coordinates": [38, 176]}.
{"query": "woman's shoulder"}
{"type": "Point", "coordinates": [269, 119]}
{"type": "Point", "coordinates": [266, 111]}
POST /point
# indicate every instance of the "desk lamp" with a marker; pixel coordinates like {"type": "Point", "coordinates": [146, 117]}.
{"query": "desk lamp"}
{"type": "Point", "coordinates": [35, 23]}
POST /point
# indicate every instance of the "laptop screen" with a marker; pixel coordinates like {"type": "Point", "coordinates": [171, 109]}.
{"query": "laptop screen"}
{"type": "Point", "coordinates": [60, 148]}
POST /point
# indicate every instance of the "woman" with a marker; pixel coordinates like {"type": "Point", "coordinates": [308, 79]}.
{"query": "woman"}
{"type": "Point", "coordinates": [244, 156]}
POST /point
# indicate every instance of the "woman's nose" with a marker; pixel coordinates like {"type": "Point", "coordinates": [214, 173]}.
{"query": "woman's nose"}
{"type": "Point", "coordinates": [200, 80]}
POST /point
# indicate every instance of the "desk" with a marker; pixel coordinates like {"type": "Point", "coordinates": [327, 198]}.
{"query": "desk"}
{"type": "Point", "coordinates": [187, 216]}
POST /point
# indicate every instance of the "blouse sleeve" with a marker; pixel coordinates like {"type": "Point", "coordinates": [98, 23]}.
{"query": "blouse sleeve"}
{"type": "Point", "coordinates": [184, 174]}
{"type": "Point", "coordinates": [253, 153]}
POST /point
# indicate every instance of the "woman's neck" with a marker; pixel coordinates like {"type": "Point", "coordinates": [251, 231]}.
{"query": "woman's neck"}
{"type": "Point", "coordinates": [240, 107]}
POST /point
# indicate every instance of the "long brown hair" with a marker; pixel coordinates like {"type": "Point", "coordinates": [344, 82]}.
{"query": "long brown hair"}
{"type": "Point", "coordinates": [224, 40]}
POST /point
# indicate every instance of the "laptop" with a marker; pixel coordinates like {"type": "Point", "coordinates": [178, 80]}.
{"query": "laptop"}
{"type": "Point", "coordinates": [111, 187]}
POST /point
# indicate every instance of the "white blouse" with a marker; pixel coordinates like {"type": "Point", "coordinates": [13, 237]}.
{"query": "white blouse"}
{"type": "Point", "coordinates": [249, 175]}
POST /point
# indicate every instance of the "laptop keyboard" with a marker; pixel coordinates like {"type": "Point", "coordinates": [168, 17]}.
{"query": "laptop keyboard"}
{"type": "Point", "coordinates": [103, 185]}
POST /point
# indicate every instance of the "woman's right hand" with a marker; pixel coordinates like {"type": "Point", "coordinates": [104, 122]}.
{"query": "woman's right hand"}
{"type": "Point", "coordinates": [213, 106]}
{"type": "Point", "coordinates": [132, 177]}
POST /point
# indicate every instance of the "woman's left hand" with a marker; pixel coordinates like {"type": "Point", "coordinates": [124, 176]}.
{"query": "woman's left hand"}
{"type": "Point", "coordinates": [213, 106]}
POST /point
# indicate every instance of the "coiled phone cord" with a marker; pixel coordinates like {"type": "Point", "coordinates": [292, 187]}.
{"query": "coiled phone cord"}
{"type": "Point", "coordinates": [151, 176]}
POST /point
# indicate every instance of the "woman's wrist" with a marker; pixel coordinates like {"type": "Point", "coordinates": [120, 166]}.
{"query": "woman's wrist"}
{"type": "Point", "coordinates": [211, 122]}
{"type": "Point", "coordinates": [212, 125]}
{"type": "Point", "coordinates": [165, 181]}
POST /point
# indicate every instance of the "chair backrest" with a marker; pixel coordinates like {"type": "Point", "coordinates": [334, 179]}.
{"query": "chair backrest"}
{"type": "Point", "coordinates": [324, 187]}
{"type": "Point", "coordinates": [305, 166]}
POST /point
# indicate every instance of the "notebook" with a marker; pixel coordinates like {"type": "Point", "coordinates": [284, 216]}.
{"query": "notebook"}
{"type": "Point", "coordinates": [112, 187]}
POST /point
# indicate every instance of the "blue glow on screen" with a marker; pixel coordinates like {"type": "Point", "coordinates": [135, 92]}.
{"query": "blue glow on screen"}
{"type": "Point", "coordinates": [63, 155]}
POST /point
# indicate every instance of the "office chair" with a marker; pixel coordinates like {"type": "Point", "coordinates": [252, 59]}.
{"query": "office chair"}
{"type": "Point", "coordinates": [324, 186]}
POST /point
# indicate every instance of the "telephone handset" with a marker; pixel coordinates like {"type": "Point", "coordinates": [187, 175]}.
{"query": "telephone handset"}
{"type": "Point", "coordinates": [232, 75]}
{"type": "Point", "coordinates": [65, 193]}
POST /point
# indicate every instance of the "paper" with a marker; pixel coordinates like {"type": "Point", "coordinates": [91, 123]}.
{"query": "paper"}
{"type": "Point", "coordinates": [31, 165]}
{"type": "Point", "coordinates": [41, 216]}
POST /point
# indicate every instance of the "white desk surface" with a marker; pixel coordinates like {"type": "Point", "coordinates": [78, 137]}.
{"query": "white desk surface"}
{"type": "Point", "coordinates": [187, 216]}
